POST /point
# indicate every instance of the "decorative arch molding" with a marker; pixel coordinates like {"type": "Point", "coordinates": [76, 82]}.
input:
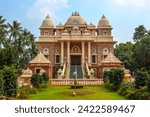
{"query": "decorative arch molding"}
{"type": "Point", "coordinates": [57, 51]}
{"type": "Point", "coordinates": [75, 49]}
{"type": "Point", "coordinates": [105, 51]}
{"type": "Point", "coordinates": [46, 51]}
{"type": "Point", "coordinates": [94, 51]}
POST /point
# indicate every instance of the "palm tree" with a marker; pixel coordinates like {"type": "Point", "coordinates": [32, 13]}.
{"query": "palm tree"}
{"type": "Point", "coordinates": [3, 31]}
{"type": "Point", "coordinates": [14, 30]}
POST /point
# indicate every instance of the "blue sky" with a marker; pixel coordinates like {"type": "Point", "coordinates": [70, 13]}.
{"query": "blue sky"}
{"type": "Point", "coordinates": [124, 15]}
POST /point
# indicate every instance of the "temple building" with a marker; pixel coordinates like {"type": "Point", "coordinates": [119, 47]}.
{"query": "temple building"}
{"type": "Point", "coordinates": [75, 48]}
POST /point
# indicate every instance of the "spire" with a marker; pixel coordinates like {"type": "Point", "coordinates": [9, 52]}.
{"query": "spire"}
{"type": "Point", "coordinates": [47, 16]}
{"type": "Point", "coordinates": [103, 16]}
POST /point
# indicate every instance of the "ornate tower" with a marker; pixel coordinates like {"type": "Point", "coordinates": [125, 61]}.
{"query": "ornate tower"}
{"type": "Point", "coordinates": [104, 28]}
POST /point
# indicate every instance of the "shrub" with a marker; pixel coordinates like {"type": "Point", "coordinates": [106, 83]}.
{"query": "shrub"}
{"type": "Point", "coordinates": [124, 87]}
{"type": "Point", "coordinates": [36, 80]}
{"type": "Point", "coordinates": [106, 77]}
{"type": "Point", "coordinates": [118, 78]}
{"type": "Point", "coordinates": [138, 94]}
{"type": "Point", "coordinates": [10, 82]}
{"type": "Point", "coordinates": [33, 90]}
{"type": "Point", "coordinates": [1, 84]}
{"type": "Point", "coordinates": [45, 77]}
{"type": "Point", "coordinates": [114, 77]}
{"type": "Point", "coordinates": [23, 92]}
{"type": "Point", "coordinates": [148, 84]}
{"type": "Point", "coordinates": [43, 85]}
{"type": "Point", "coordinates": [141, 78]}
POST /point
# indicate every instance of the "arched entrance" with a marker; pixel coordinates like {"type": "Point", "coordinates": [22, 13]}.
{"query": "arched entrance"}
{"type": "Point", "coordinates": [75, 59]}
{"type": "Point", "coordinates": [75, 65]}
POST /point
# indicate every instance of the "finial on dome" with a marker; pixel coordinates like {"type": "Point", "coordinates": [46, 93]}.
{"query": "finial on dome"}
{"type": "Point", "coordinates": [75, 13]}
{"type": "Point", "coordinates": [103, 16]}
{"type": "Point", "coordinates": [47, 16]}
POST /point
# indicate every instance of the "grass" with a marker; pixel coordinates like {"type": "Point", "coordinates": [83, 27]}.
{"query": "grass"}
{"type": "Point", "coordinates": [86, 93]}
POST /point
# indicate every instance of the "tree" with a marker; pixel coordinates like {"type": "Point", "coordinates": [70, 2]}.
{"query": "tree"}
{"type": "Point", "coordinates": [10, 82]}
{"type": "Point", "coordinates": [141, 78]}
{"type": "Point", "coordinates": [124, 51]}
{"type": "Point", "coordinates": [139, 33]}
{"type": "Point", "coordinates": [1, 84]}
{"type": "Point", "coordinates": [142, 50]}
{"type": "Point", "coordinates": [115, 77]}
{"type": "Point", "coordinates": [3, 27]}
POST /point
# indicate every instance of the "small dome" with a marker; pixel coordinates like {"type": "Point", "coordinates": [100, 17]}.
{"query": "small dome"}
{"type": "Point", "coordinates": [27, 72]}
{"type": "Point", "coordinates": [103, 22]}
{"type": "Point", "coordinates": [75, 19]}
{"type": "Point", "coordinates": [47, 23]}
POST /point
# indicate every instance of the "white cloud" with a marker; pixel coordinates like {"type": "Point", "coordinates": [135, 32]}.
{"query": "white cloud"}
{"type": "Point", "coordinates": [133, 3]}
{"type": "Point", "coordinates": [43, 7]}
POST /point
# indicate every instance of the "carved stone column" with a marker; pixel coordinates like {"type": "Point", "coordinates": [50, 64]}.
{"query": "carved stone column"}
{"type": "Point", "coordinates": [83, 55]}
{"type": "Point", "coordinates": [68, 52]}
{"type": "Point", "coordinates": [89, 53]}
{"type": "Point", "coordinates": [62, 53]}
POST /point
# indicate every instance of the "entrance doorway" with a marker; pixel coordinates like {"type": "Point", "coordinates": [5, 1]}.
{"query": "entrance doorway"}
{"type": "Point", "coordinates": [75, 59]}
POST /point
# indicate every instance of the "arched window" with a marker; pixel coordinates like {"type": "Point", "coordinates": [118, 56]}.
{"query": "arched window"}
{"type": "Point", "coordinates": [94, 56]}
{"type": "Point", "coordinates": [57, 56]}
{"type": "Point", "coordinates": [105, 52]}
{"type": "Point", "coordinates": [46, 52]}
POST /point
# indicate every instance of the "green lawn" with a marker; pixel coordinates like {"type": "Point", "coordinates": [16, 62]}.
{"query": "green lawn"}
{"type": "Point", "coordinates": [65, 93]}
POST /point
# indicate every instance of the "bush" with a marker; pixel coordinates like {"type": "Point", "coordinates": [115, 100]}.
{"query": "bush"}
{"type": "Point", "coordinates": [33, 90]}
{"type": "Point", "coordinates": [36, 80]}
{"type": "Point", "coordinates": [138, 94]}
{"type": "Point", "coordinates": [10, 82]}
{"type": "Point", "coordinates": [106, 77]}
{"type": "Point", "coordinates": [124, 88]}
{"type": "Point", "coordinates": [45, 77]}
{"type": "Point", "coordinates": [114, 77]}
{"type": "Point", "coordinates": [141, 78]}
{"type": "Point", "coordinates": [23, 92]}
{"type": "Point", "coordinates": [43, 85]}
{"type": "Point", "coordinates": [1, 84]}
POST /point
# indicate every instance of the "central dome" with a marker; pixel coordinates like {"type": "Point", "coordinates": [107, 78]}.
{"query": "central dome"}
{"type": "Point", "coordinates": [75, 19]}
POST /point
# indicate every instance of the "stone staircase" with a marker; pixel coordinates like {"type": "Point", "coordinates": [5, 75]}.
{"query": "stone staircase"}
{"type": "Point", "coordinates": [77, 68]}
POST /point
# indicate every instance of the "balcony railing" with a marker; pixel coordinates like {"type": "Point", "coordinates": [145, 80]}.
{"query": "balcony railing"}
{"type": "Point", "coordinates": [79, 82]}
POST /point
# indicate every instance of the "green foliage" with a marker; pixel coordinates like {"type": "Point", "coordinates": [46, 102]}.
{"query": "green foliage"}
{"type": "Point", "coordinates": [33, 90]}
{"type": "Point", "coordinates": [124, 51]}
{"type": "Point", "coordinates": [10, 82]}
{"type": "Point", "coordinates": [36, 80]}
{"type": "Point", "coordinates": [17, 46]}
{"type": "Point", "coordinates": [142, 52]}
{"type": "Point", "coordinates": [141, 78]}
{"type": "Point", "coordinates": [106, 77]}
{"type": "Point", "coordinates": [1, 84]}
{"type": "Point", "coordinates": [148, 83]}
{"type": "Point", "coordinates": [45, 77]}
{"type": "Point", "coordinates": [114, 77]}
{"type": "Point", "coordinates": [39, 81]}
{"type": "Point", "coordinates": [23, 92]}
{"type": "Point", "coordinates": [140, 32]}
{"type": "Point", "coordinates": [43, 85]}
{"type": "Point", "coordinates": [138, 94]}
{"type": "Point", "coordinates": [124, 87]}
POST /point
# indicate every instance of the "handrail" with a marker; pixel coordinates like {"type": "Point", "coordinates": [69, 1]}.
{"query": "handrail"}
{"type": "Point", "coordinates": [88, 70]}
{"type": "Point", "coordinates": [63, 71]}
